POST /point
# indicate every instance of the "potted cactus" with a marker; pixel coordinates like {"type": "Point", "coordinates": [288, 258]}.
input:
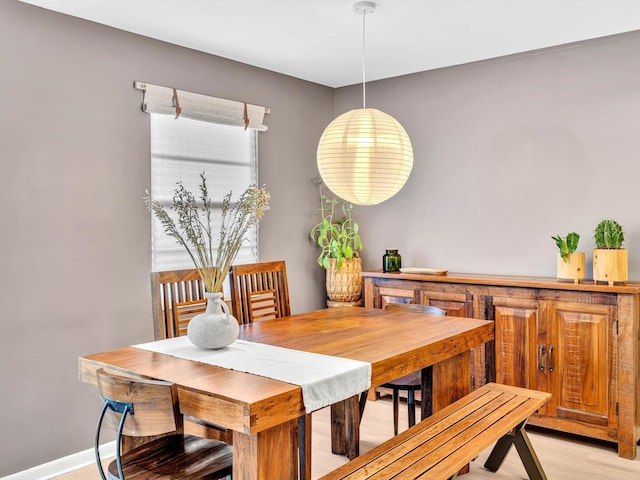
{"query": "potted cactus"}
{"type": "Point", "coordinates": [610, 260]}
{"type": "Point", "coordinates": [570, 264]}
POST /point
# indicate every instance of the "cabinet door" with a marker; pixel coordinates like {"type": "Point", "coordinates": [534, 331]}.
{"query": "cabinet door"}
{"type": "Point", "coordinates": [520, 339]}
{"type": "Point", "coordinates": [583, 362]}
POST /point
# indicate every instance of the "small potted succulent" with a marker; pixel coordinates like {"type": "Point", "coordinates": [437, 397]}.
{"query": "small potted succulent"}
{"type": "Point", "coordinates": [610, 260]}
{"type": "Point", "coordinates": [570, 264]}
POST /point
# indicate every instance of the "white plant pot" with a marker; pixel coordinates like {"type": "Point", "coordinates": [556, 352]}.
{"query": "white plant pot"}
{"type": "Point", "coordinates": [215, 328]}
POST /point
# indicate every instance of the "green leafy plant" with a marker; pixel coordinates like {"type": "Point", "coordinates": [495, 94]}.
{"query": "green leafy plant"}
{"type": "Point", "coordinates": [567, 245]}
{"type": "Point", "coordinates": [337, 236]}
{"type": "Point", "coordinates": [211, 256]}
{"type": "Point", "coordinates": [609, 235]}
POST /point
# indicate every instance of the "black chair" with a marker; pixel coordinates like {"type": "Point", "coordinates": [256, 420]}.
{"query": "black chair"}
{"type": "Point", "coordinates": [145, 408]}
{"type": "Point", "coordinates": [411, 382]}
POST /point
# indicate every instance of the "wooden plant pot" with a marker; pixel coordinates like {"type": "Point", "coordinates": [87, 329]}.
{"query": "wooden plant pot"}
{"type": "Point", "coordinates": [344, 285]}
{"type": "Point", "coordinates": [610, 265]}
{"type": "Point", "coordinates": [573, 268]}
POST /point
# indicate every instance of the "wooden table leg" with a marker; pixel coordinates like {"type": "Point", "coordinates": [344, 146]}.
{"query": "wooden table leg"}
{"type": "Point", "coordinates": [451, 380]}
{"type": "Point", "coordinates": [345, 427]}
{"type": "Point", "coordinates": [266, 455]}
{"type": "Point", "coordinates": [445, 382]}
{"type": "Point", "coordinates": [304, 446]}
{"type": "Point", "coordinates": [426, 391]}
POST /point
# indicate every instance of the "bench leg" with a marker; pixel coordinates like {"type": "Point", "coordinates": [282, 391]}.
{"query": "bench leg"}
{"type": "Point", "coordinates": [520, 439]}
{"type": "Point", "coordinates": [528, 456]}
{"type": "Point", "coordinates": [499, 452]}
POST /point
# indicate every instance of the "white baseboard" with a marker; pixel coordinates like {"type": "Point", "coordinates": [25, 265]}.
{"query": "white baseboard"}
{"type": "Point", "coordinates": [63, 465]}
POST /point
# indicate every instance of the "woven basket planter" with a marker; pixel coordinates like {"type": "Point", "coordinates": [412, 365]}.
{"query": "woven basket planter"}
{"type": "Point", "coordinates": [344, 285]}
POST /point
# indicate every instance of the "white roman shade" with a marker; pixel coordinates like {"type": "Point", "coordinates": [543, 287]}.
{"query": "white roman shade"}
{"type": "Point", "coordinates": [180, 103]}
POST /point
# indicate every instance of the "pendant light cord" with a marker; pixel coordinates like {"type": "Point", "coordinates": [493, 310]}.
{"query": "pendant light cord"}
{"type": "Point", "coordinates": [364, 88]}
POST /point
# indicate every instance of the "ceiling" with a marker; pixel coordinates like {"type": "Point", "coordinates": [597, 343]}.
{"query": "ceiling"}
{"type": "Point", "coordinates": [321, 40]}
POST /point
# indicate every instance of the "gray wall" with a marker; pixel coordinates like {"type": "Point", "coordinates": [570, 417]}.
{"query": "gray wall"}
{"type": "Point", "coordinates": [74, 152]}
{"type": "Point", "coordinates": [507, 153]}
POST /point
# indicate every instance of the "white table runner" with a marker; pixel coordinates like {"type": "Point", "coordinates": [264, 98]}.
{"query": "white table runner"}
{"type": "Point", "coordinates": [324, 379]}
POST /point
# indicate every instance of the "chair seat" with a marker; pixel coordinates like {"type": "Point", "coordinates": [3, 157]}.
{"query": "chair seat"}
{"type": "Point", "coordinates": [411, 381]}
{"type": "Point", "coordinates": [176, 456]}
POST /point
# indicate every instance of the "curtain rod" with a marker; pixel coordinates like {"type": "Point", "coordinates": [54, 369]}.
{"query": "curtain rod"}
{"type": "Point", "coordinates": [143, 86]}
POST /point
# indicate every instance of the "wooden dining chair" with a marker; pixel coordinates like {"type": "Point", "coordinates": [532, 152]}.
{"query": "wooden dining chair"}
{"type": "Point", "coordinates": [412, 382]}
{"type": "Point", "coordinates": [259, 291]}
{"type": "Point", "coordinates": [178, 295]}
{"type": "Point", "coordinates": [135, 407]}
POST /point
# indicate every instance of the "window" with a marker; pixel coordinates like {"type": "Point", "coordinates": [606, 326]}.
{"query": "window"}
{"type": "Point", "coordinates": [181, 149]}
{"type": "Point", "coordinates": [193, 133]}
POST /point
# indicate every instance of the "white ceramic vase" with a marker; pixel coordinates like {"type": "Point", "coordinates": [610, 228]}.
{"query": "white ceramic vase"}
{"type": "Point", "coordinates": [215, 328]}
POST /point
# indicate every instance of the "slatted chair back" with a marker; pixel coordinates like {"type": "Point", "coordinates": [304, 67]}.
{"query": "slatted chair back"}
{"type": "Point", "coordinates": [183, 312]}
{"type": "Point", "coordinates": [259, 291]}
{"type": "Point", "coordinates": [171, 293]}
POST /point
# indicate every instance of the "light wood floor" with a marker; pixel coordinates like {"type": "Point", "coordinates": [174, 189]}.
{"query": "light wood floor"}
{"type": "Point", "coordinates": [562, 457]}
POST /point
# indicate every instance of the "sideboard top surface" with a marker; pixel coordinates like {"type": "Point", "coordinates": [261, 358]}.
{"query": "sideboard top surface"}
{"type": "Point", "coordinates": [510, 281]}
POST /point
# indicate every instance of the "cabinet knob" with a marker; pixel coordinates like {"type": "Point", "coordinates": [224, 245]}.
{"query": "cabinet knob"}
{"type": "Point", "coordinates": [551, 358]}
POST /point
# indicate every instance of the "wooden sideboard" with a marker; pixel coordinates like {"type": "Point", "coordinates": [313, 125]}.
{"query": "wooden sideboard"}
{"type": "Point", "coordinates": [579, 342]}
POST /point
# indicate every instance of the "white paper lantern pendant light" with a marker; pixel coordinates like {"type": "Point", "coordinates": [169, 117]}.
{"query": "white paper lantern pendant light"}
{"type": "Point", "coordinates": [364, 155]}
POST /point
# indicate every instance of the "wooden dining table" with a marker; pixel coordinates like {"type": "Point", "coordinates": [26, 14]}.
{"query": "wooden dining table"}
{"type": "Point", "coordinates": [264, 413]}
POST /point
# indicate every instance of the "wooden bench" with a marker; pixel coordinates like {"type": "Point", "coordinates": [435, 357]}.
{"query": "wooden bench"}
{"type": "Point", "coordinates": [439, 446]}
